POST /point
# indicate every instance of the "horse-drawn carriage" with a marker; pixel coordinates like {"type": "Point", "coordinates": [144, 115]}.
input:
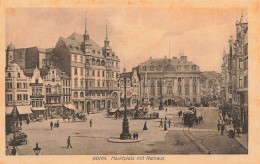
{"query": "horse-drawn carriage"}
{"type": "Point", "coordinates": [74, 117]}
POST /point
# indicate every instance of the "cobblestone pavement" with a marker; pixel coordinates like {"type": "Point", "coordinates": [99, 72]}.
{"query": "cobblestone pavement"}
{"type": "Point", "coordinates": [88, 140]}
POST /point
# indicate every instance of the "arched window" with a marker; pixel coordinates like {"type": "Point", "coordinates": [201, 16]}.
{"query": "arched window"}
{"type": "Point", "coordinates": [93, 60]}
{"type": "Point", "coordinates": [18, 74]}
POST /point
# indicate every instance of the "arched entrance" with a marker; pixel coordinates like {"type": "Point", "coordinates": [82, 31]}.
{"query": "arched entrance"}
{"type": "Point", "coordinates": [170, 102]}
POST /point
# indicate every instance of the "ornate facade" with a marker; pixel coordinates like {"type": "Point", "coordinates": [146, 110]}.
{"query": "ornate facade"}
{"type": "Point", "coordinates": [174, 81]}
{"type": "Point", "coordinates": [93, 71]}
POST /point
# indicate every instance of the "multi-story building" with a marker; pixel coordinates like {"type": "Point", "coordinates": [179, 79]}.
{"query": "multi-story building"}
{"type": "Point", "coordinates": [225, 96]}
{"type": "Point", "coordinates": [132, 87]}
{"type": "Point", "coordinates": [93, 71]}
{"type": "Point", "coordinates": [174, 81]}
{"type": "Point", "coordinates": [16, 90]}
{"type": "Point", "coordinates": [237, 66]}
{"type": "Point", "coordinates": [57, 86]}
{"type": "Point", "coordinates": [37, 94]}
{"type": "Point", "coordinates": [29, 58]}
{"type": "Point", "coordinates": [210, 88]}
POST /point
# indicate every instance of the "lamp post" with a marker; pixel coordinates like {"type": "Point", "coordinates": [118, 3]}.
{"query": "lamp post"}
{"type": "Point", "coordinates": [37, 149]}
{"type": "Point", "coordinates": [125, 126]}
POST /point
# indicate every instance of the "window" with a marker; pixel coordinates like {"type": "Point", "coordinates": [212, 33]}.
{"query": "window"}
{"type": "Point", "coordinates": [36, 81]}
{"type": "Point", "coordinates": [116, 64]}
{"type": "Point", "coordinates": [53, 79]}
{"type": "Point", "coordinates": [76, 82]}
{"type": "Point", "coordinates": [81, 58]}
{"type": "Point", "coordinates": [152, 68]}
{"type": "Point", "coordinates": [103, 83]}
{"type": "Point", "coordinates": [81, 71]}
{"type": "Point", "coordinates": [19, 97]}
{"type": "Point", "coordinates": [98, 73]}
{"type": "Point", "coordinates": [81, 83]}
{"type": "Point", "coordinates": [245, 81]}
{"type": "Point", "coordinates": [98, 83]}
{"type": "Point", "coordinates": [25, 97]}
{"type": "Point", "coordinates": [9, 74]}
{"type": "Point", "coordinates": [240, 82]}
{"type": "Point", "coordinates": [179, 79]}
{"type": "Point", "coordinates": [187, 91]}
{"type": "Point", "coordinates": [81, 94]}
{"type": "Point", "coordinates": [9, 97]}
{"type": "Point", "coordinates": [179, 89]}
{"type": "Point", "coordinates": [18, 74]}
{"type": "Point", "coordinates": [87, 61]}
{"type": "Point", "coordinates": [19, 85]}
{"type": "Point", "coordinates": [33, 103]}
{"type": "Point", "coordinates": [75, 71]}
{"type": "Point", "coordinates": [103, 73]}
{"type": "Point", "coordinates": [24, 85]}
{"type": "Point", "coordinates": [9, 85]}
{"type": "Point", "coordinates": [76, 94]}
{"type": "Point", "coordinates": [194, 89]}
{"type": "Point", "coordinates": [194, 67]}
{"type": "Point", "coordinates": [75, 58]}
{"type": "Point", "coordinates": [93, 72]}
{"type": "Point", "coordinates": [194, 79]}
{"type": "Point", "coordinates": [240, 63]}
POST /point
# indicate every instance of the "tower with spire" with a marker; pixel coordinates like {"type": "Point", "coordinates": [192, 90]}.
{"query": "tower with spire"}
{"type": "Point", "coordinates": [107, 50]}
{"type": "Point", "coordinates": [86, 45]}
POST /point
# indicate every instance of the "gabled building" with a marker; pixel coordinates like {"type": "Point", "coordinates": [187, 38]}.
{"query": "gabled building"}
{"type": "Point", "coordinates": [93, 71]}
{"type": "Point", "coordinates": [132, 88]}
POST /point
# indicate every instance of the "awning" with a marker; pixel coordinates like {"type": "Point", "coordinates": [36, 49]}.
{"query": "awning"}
{"type": "Point", "coordinates": [21, 110]}
{"type": "Point", "coordinates": [24, 109]}
{"type": "Point", "coordinates": [37, 109]}
{"type": "Point", "coordinates": [70, 106]}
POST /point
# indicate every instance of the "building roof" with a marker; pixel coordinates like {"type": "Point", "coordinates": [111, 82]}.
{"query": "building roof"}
{"type": "Point", "coordinates": [127, 74]}
{"type": "Point", "coordinates": [45, 50]}
{"type": "Point", "coordinates": [10, 46]}
{"type": "Point", "coordinates": [211, 75]}
{"type": "Point", "coordinates": [165, 61]}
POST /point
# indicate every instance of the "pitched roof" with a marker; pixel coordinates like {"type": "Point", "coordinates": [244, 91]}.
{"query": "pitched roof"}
{"type": "Point", "coordinates": [165, 61]}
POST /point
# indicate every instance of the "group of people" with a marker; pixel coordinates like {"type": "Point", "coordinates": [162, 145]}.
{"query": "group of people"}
{"type": "Point", "coordinates": [57, 124]}
{"type": "Point", "coordinates": [135, 136]}
{"type": "Point", "coordinates": [161, 122]}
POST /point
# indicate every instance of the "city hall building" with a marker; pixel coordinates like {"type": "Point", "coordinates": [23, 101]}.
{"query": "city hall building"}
{"type": "Point", "coordinates": [174, 81]}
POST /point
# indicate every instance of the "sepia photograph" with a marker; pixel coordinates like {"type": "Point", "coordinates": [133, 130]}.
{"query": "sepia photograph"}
{"type": "Point", "coordinates": [126, 81]}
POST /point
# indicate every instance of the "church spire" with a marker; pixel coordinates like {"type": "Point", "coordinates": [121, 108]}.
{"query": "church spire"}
{"type": "Point", "coordinates": [106, 40]}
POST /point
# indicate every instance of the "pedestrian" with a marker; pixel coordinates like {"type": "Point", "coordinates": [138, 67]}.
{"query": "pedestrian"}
{"type": "Point", "coordinates": [21, 123]}
{"type": "Point", "coordinates": [68, 143]}
{"type": "Point", "coordinates": [238, 132]}
{"type": "Point", "coordinates": [161, 125]}
{"type": "Point", "coordinates": [136, 136]}
{"type": "Point", "coordinates": [90, 122]}
{"type": "Point", "coordinates": [145, 126]}
{"type": "Point", "coordinates": [222, 129]}
{"type": "Point", "coordinates": [218, 125]}
{"type": "Point", "coordinates": [169, 123]}
{"type": "Point", "coordinates": [51, 125]}
{"type": "Point", "coordinates": [116, 116]}
{"type": "Point", "coordinates": [13, 151]}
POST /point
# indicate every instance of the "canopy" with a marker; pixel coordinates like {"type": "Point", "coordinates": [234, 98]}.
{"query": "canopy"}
{"type": "Point", "coordinates": [70, 106]}
{"type": "Point", "coordinates": [21, 110]}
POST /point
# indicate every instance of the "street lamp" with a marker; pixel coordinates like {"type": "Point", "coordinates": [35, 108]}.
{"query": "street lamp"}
{"type": "Point", "coordinates": [125, 127]}
{"type": "Point", "coordinates": [37, 149]}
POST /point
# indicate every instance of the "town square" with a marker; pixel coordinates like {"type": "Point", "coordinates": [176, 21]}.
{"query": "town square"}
{"type": "Point", "coordinates": [129, 88]}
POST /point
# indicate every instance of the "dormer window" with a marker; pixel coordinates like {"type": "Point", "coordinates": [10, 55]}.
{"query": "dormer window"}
{"type": "Point", "coordinates": [94, 51]}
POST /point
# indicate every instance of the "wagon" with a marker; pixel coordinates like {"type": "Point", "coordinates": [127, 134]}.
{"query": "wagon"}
{"type": "Point", "coordinates": [189, 118]}
{"type": "Point", "coordinates": [18, 139]}
{"type": "Point", "coordinates": [79, 116]}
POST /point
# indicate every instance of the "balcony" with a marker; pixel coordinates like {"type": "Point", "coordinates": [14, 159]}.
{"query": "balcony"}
{"type": "Point", "coordinates": [97, 88]}
{"type": "Point", "coordinates": [53, 94]}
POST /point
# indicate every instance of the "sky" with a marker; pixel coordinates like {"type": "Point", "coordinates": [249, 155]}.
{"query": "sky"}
{"type": "Point", "coordinates": [135, 34]}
